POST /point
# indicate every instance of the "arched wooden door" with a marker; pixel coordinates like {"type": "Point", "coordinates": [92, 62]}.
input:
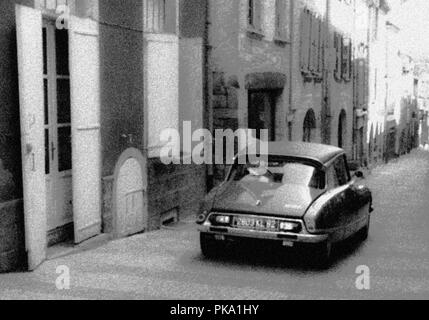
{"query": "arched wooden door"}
{"type": "Point", "coordinates": [130, 194]}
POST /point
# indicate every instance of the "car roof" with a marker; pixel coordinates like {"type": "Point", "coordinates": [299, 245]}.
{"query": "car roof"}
{"type": "Point", "coordinates": [317, 153]}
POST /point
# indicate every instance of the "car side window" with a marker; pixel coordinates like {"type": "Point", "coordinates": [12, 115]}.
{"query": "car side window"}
{"type": "Point", "coordinates": [331, 177]}
{"type": "Point", "coordinates": [341, 171]}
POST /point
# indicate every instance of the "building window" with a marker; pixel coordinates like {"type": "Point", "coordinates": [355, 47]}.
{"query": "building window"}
{"type": "Point", "coordinates": [282, 21]}
{"type": "Point", "coordinates": [154, 16]}
{"type": "Point", "coordinates": [311, 45]}
{"type": "Point", "coordinates": [343, 57]}
{"type": "Point", "coordinates": [338, 46]}
{"type": "Point", "coordinates": [375, 23]}
{"type": "Point", "coordinates": [254, 14]}
{"type": "Point", "coordinates": [53, 4]}
{"type": "Point", "coordinates": [56, 78]}
{"type": "Point", "coordinates": [347, 59]}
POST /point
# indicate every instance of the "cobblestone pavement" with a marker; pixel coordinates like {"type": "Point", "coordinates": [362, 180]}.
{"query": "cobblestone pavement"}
{"type": "Point", "coordinates": [167, 264]}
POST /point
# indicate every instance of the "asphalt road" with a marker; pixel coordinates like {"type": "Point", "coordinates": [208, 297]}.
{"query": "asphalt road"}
{"type": "Point", "coordinates": [167, 264]}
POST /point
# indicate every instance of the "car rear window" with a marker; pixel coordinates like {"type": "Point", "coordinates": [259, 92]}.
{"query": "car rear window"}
{"type": "Point", "coordinates": [278, 171]}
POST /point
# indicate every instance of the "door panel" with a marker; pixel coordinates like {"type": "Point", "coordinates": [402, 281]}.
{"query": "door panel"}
{"type": "Point", "coordinates": [32, 113]}
{"type": "Point", "coordinates": [85, 101]}
{"type": "Point", "coordinates": [130, 195]}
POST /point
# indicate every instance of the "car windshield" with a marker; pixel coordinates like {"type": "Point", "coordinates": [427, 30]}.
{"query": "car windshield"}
{"type": "Point", "coordinates": [278, 171]}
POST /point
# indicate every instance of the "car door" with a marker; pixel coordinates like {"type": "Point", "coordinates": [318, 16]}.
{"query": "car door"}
{"type": "Point", "coordinates": [338, 216]}
{"type": "Point", "coordinates": [353, 202]}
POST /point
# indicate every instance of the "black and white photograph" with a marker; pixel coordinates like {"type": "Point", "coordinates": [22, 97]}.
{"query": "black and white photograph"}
{"type": "Point", "coordinates": [229, 151]}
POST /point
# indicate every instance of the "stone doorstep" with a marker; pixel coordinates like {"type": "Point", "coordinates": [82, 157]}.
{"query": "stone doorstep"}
{"type": "Point", "coordinates": [66, 249]}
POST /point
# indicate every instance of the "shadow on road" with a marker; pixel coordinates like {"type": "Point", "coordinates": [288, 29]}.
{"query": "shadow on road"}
{"type": "Point", "coordinates": [300, 259]}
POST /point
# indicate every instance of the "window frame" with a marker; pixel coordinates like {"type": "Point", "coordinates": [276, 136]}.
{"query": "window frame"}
{"type": "Point", "coordinates": [312, 43]}
{"type": "Point", "coordinates": [342, 160]}
{"type": "Point", "coordinates": [254, 15]}
{"type": "Point", "coordinates": [346, 63]}
{"type": "Point", "coordinates": [158, 25]}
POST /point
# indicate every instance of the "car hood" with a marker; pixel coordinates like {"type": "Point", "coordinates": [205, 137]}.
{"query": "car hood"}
{"type": "Point", "coordinates": [288, 200]}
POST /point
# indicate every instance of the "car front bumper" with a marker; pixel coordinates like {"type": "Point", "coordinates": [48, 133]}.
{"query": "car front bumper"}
{"type": "Point", "coordinates": [229, 232]}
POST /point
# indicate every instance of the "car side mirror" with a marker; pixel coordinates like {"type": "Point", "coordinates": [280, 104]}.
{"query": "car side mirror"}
{"type": "Point", "coordinates": [359, 174]}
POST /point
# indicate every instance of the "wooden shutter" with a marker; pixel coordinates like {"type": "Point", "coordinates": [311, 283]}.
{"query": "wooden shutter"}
{"type": "Point", "coordinates": [320, 48]}
{"type": "Point", "coordinates": [85, 102]}
{"type": "Point", "coordinates": [314, 49]}
{"type": "Point", "coordinates": [305, 40]}
{"type": "Point", "coordinates": [338, 44]}
{"type": "Point", "coordinates": [346, 59]}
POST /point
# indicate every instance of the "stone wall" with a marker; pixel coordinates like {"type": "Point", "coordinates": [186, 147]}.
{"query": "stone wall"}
{"type": "Point", "coordinates": [174, 189]}
{"type": "Point", "coordinates": [12, 238]}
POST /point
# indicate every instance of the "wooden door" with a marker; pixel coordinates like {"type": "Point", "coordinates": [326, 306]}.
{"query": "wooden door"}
{"type": "Point", "coordinates": [85, 118]}
{"type": "Point", "coordinates": [30, 70]}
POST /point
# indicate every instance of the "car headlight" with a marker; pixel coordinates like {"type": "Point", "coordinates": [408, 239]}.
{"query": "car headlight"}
{"type": "Point", "coordinates": [223, 220]}
{"type": "Point", "coordinates": [288, 226]}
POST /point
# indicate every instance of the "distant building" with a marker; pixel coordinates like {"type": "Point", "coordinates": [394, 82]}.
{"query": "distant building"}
{"type": "Point", "coordinates": [300, 69]}
{"type": "Point", "coordinates": [250, 67]}
{"type": "Point", "coordinates": [423, 105]}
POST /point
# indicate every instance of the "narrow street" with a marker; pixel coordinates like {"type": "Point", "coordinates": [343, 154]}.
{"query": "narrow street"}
{"type": "Point", "coordinates": [167, 264]}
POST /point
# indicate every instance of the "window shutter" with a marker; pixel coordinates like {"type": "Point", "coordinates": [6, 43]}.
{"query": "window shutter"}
{"type": "Point", "coordinates": [346, 59]}
{"type": "Point", "coordinates": [314, 44]}
{"type": "Point", "coordinates": [338, 44]}
{"type": "Point", "coordinates": [305, 40]}
{"type": "Point", "coordinates": [320, 47]}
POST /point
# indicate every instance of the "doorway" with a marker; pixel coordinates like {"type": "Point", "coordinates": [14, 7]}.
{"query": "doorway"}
{"type": "Point", "coordinates": [309, 127]}
{"type": "Point", "coordinates": [57, 125]}
{"type": "Point", "coordinates": [262, 112]}
{"type": "Point", "coordinates": [342, 129]}
{"type": "Point", "coordinates": [130, 194]}
{"type": "Point", "coordinates": [59, 90]}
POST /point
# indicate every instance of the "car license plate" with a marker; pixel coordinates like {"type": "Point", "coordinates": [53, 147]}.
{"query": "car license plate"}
{"type": "Point", "coordinates": [260, 224]}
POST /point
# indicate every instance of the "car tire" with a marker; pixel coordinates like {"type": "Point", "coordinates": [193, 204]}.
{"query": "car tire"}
{"type": "Point", "coordinates": [323, 255]}
{"type": "Point", "coordinates": [210, 247]}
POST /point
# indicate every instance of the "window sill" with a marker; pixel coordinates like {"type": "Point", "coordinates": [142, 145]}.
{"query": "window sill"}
{"type": "Point", "coordinates": [310, 76]}
{"type": "Point", "coordinates": [281, 41]}
{"type": "Point", "coordinates": [254, 33]}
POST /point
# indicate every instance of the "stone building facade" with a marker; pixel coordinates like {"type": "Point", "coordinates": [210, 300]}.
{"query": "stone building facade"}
{"type": "Point", "coordinates": [86, 89]}
{"type": "Point", "coordinates": [313, 83]}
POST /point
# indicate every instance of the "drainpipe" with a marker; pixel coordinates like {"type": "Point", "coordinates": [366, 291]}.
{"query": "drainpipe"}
{"type": "Point", "coordinates": [326, 98]}
{"type": "Point", "coordinates": [291, 65]}
{"type": "Point", "coordinates": [355, 89]}
{"type": "Point", "coordinates": [207, 91]}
